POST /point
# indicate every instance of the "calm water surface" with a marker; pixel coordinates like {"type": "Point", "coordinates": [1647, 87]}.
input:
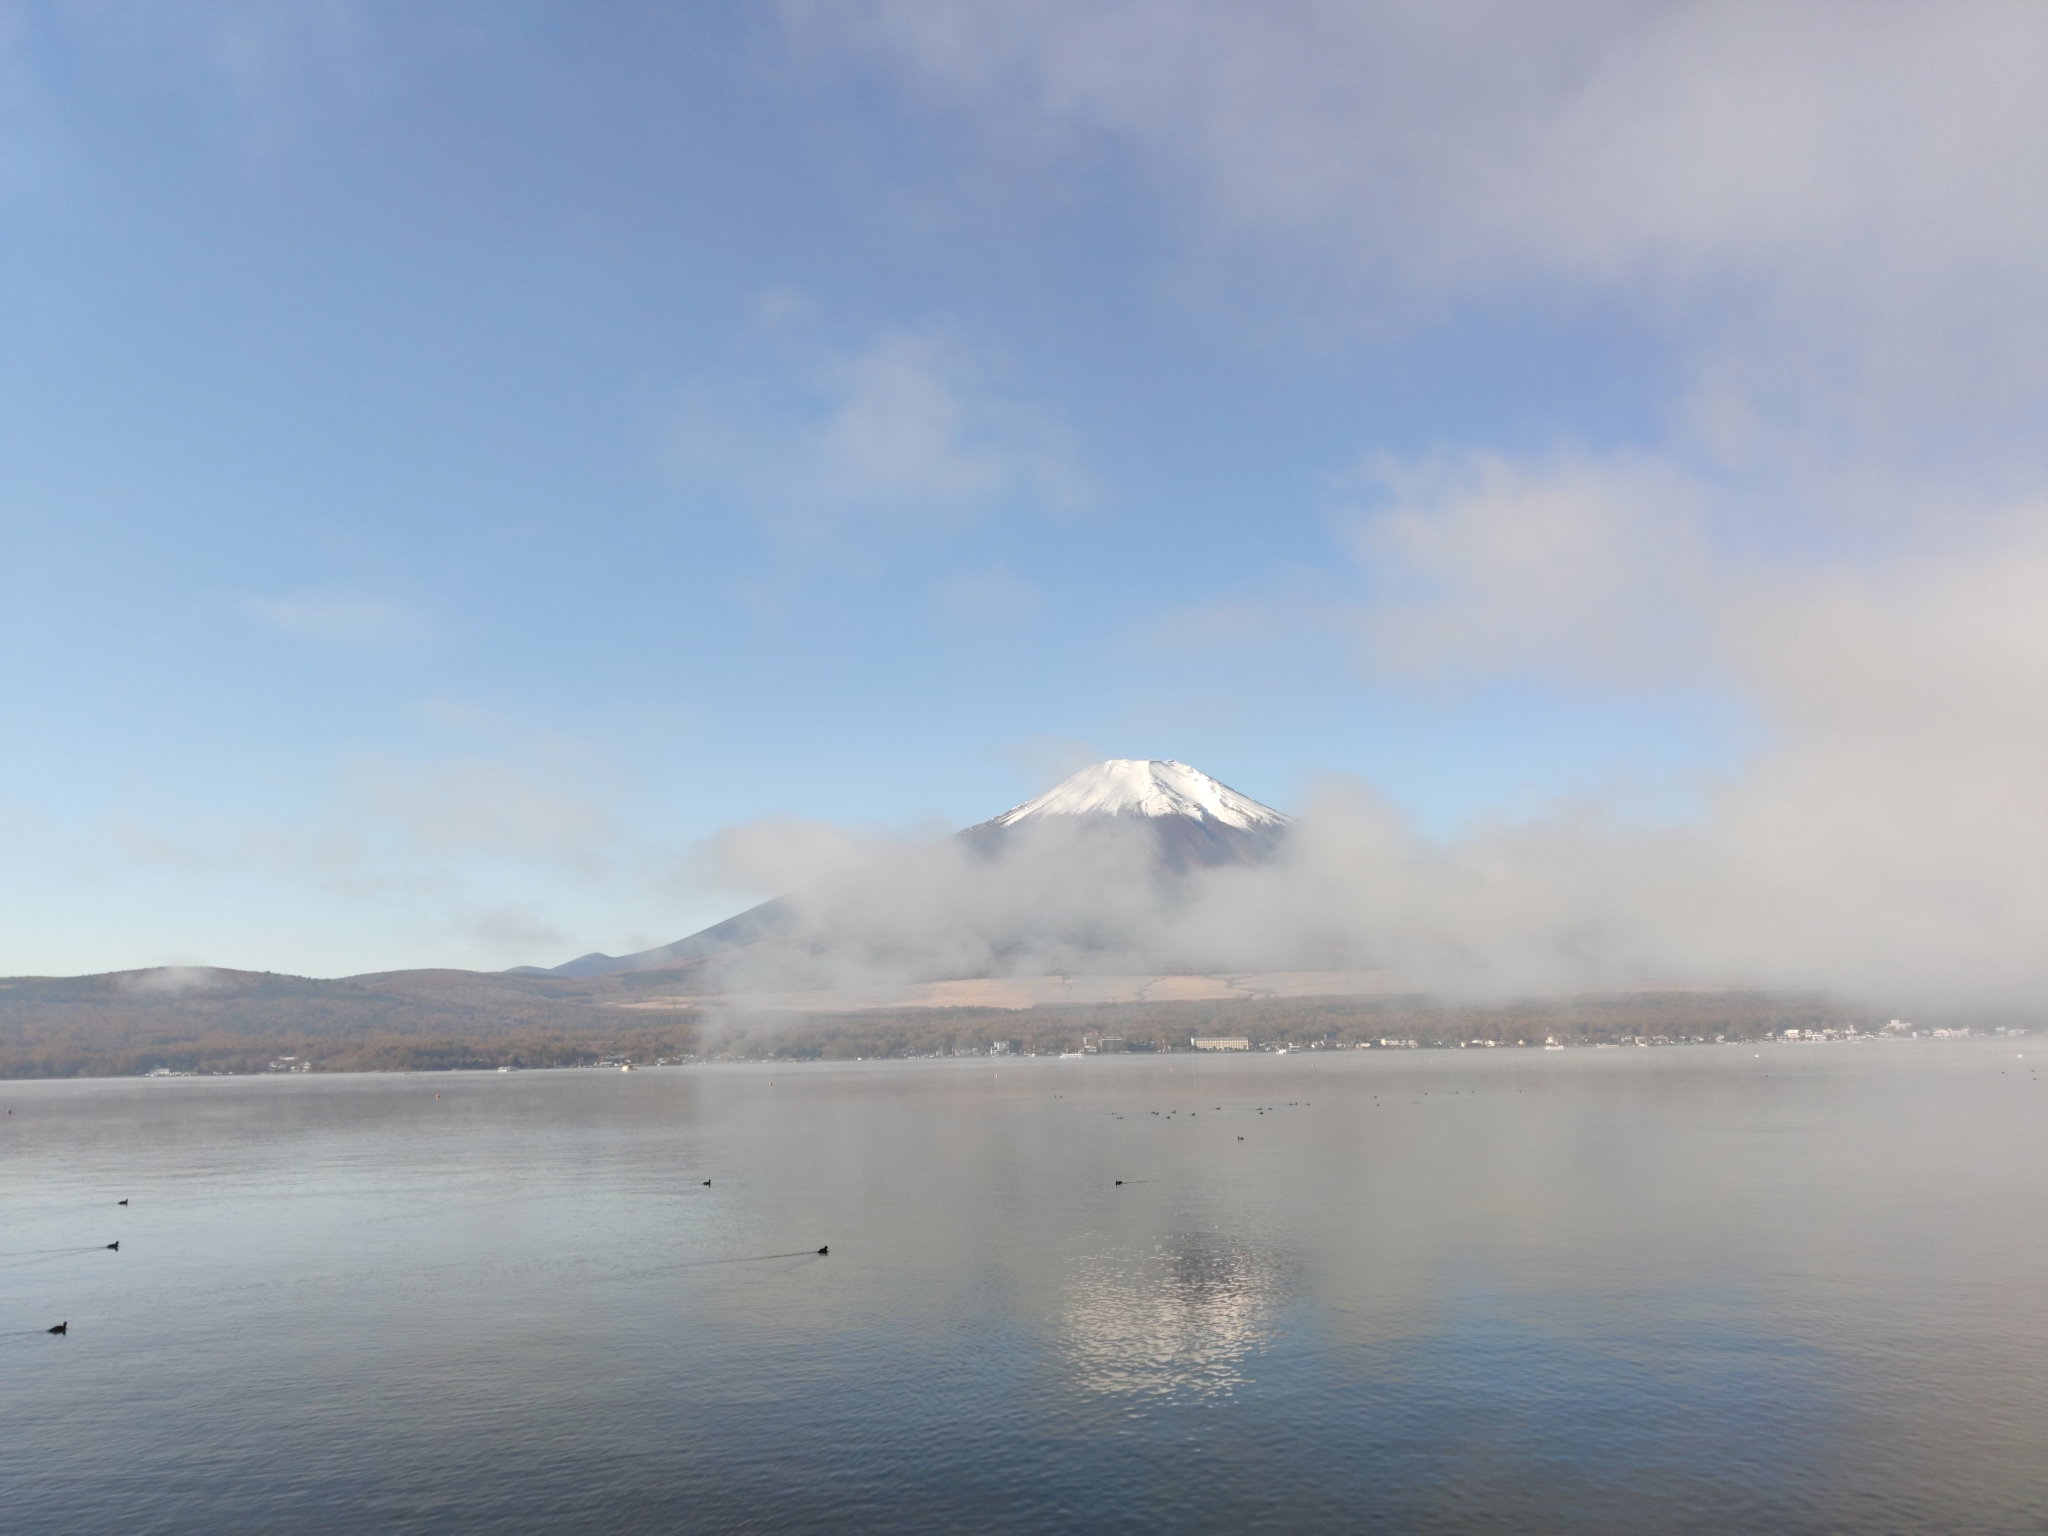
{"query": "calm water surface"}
{"type": "Point", "coordinates": [1790, 1288]}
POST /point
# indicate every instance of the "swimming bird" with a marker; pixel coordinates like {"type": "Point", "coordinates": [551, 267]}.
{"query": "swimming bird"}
{"type": "Point", "coordinates": [1119, 1181]}
{"type": "Point", "coordinates": [707, 1183]}
{"type": "Point", "coordinates": [114, 1247]}
{"type": "Point", "coordinates": [120, 1202]}
{"type": "Point", "coordinates": [824, 1250]}
{"type": "Point", "coordinates": [63, 1327]}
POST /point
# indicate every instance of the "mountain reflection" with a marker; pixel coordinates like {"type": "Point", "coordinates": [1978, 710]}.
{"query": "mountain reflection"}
{"type": "Point", "coordinates": [1183, 1320]}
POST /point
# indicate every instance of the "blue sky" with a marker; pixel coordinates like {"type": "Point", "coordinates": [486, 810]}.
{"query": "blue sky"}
{"type": "Point", "coordinates": [459, 462]}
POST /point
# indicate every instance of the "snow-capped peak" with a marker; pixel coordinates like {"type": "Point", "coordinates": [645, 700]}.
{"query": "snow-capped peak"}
{"type": "Point", "coordinates": [1130, 786]}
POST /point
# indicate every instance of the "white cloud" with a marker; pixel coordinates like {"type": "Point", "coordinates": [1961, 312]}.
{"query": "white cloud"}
{"type": "Point", "coordinates": [1893, 826]}
{"type": "Point", "coordinates": [257, 76]}
{"type": "Point", "coordinates": [340, 618]}
{"type": "Point", "coordinates": [1840, 209]}
{"type": "Point", "coordinates": [909, 430]}
{"type": "Point", "coordinates": [1836, 216]}
{"type": "Point", "coordinates": [1887, 838]}
{"type": "Point", "coordinates": [765, 857]}
{"type": "Point", "coordinates": [1476, 565]}
{"type": "Point", "coordinates": [1461, 142]}
{"type": "Point", "coordinates": [173, 980]}
{"type": "Point", "coordinates": [901, 430]}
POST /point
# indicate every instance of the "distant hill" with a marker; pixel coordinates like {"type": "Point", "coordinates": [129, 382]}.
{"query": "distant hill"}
{"type": "Point", "coordinates": [204, 1019]}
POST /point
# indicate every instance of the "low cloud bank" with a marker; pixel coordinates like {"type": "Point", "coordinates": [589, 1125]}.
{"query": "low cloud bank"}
{"type": "Point", "coordinates": [1889, 841]}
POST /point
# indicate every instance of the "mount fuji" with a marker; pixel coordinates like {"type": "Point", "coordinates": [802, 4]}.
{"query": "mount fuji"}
{"type": "Point", "coordinates": [1195, 821]}
{"type": "Point", "coordinates": [1165, 815]}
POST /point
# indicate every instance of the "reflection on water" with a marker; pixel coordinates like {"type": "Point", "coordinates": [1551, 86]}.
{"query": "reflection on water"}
{"type": "Point", "coordinates": [1606, 1292]}
{"type": "Point", "coordinates": [1180, 1320]}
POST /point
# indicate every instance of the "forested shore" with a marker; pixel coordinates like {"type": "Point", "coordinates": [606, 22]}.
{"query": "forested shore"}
{"type": "Point", "coordinates": [242, 1022]}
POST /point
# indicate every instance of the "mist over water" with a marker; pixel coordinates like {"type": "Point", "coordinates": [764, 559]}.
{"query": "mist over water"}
{"type": "Point", "coordinates": [1576, 901]}
{"type": "Point", "coordinates": [1796, 1288]}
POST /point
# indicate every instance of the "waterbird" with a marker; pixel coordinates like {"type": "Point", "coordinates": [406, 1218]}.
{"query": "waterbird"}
{"type": "Point", "coordinates": [707, 1183]}
{"type": "Point", "coordinates": [114, 1247]}
{"type": "Point", "coordinates": [63, 1327]}
{"type": "Point", "coordinates": [120, 1202]}
{"type": "Point", "coordinates": [824, 1250]}
{"type": "Point", "coordinates": [1119, 1181]}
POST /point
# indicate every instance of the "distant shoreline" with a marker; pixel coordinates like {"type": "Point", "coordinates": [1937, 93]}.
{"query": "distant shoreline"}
{"type": "Point", "coordinates": [740, 1057]}
{"type": "Point", "coordinates": [454, 1021]}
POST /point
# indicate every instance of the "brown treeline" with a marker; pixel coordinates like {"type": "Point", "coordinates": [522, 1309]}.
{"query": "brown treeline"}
{"type": "Point", "coordinates": [235, 1021]}
{"type": "Point", "coordinates": [133, 1022]}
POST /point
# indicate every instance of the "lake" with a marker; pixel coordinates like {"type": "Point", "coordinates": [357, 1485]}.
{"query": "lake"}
{"type": "Point", "coordinates": [1774, 1287]}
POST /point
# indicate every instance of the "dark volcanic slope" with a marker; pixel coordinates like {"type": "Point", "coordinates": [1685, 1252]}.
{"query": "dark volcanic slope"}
{"type": "Point", "coordinates": [1176, 844]}
{"type": "Point", "coordinates": [771, 919]}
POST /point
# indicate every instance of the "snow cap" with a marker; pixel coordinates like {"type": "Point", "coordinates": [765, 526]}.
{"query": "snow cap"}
{"type": "Point", "coordinates": [1131, 786]}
